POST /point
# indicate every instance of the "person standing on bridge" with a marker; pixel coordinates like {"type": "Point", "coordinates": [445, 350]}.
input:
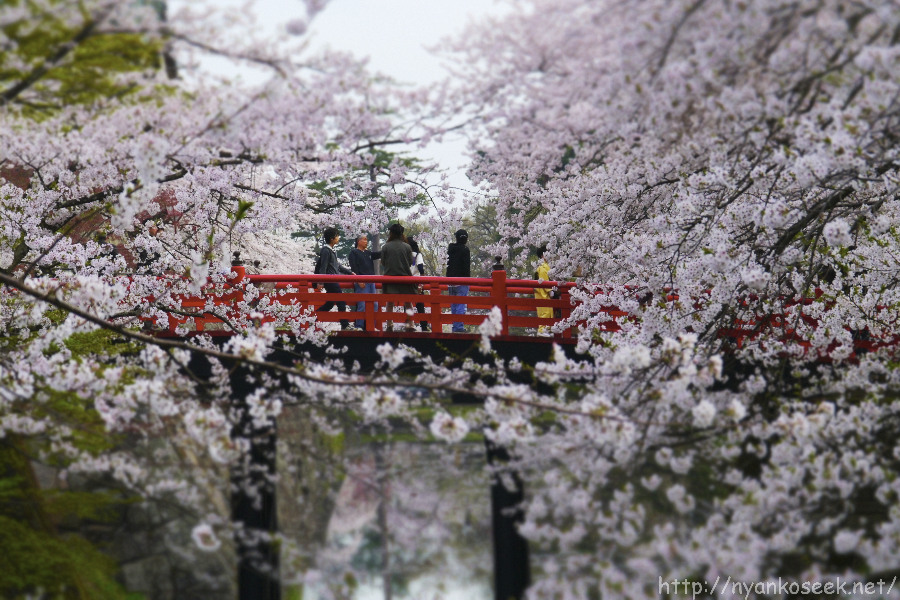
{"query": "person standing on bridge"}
{"type": "Point", "coordinates": [543, 274]}
{"type": "Point", "coordinates": [328, 265]}
{"type": "Point", "coordinates": [397, 259]}
{"type": "Point", "coordinates": [362, 262]}
{"type": "Point", "coordinates": [459, 264]}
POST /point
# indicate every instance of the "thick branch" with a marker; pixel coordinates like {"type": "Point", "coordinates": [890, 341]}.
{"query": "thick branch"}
{"type": "Point", "coordinates": [168, 344]}
{"type": "Point", "coordinates": [117, 190]}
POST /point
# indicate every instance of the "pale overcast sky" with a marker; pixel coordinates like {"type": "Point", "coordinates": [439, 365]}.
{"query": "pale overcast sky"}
{"type": "Point", "coordinates": [396, 35]}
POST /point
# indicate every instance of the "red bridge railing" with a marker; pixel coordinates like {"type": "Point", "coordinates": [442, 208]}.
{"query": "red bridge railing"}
{"type": "Point", "coordinates": [514, 297]}
{"type": "Point", "coordinates": [302, 294]}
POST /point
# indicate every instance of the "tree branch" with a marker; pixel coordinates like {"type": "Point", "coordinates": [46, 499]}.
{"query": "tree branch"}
{"type": "Point", "coordinates": [39, 71]}
{"type": "Point", "coordinates": [169, 345]}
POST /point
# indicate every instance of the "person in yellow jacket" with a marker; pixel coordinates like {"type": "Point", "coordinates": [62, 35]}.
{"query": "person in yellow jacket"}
{"type": "Point", "coordinates": [543, 274]}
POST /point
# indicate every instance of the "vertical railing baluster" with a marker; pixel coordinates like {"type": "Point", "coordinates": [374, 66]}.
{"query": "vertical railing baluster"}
{"type": "Point", "coordinates": [434, 293]}
{"type": "Point", "coordinates": [566, 310]}
{"type": "Point", "coordinates": [370, 315]}
{"type": "Point", "coordinates": [499, 294]}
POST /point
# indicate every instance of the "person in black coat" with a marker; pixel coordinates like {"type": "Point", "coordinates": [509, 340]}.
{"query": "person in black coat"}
{"type": "Point", "coordinates": [328, 265]}
{"type": "Point", "coordinates": [459, 264]}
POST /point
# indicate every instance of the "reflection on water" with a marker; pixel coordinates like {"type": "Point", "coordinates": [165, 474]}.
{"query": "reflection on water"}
{"type": "Point", "coordinates": [397, 521]}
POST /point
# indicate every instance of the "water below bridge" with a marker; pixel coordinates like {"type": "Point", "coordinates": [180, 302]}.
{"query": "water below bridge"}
{"type": "Point", "coordinates": [398, 520]}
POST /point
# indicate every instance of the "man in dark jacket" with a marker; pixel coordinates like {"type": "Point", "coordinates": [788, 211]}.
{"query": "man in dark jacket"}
{"type": "Point", "coordinates": [328, 265]}
{"type": "Point", "coordinates": [397, 260]}
{"type": "Point", "coordinates": [459, 264]}
{"type": "Point", "coordinates": [362, 262]}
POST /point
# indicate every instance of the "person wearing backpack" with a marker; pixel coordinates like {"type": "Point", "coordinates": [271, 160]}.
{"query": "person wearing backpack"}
{"type": "Point", "coordinates": [397, 260]}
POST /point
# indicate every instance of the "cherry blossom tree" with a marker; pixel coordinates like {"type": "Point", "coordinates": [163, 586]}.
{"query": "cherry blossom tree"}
{"type": "Point", "coordinates": [742, 156]}
{"type": "Point", "coordinates": [699, 164]}
{"type": "Point", "coordinates": [120, 196]}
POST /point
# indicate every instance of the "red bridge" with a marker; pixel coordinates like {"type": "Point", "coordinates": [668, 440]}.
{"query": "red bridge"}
{"type": "Point", "coordinates": [514, 297]}
{"type": "Point", "coordinates": [300, 296]}
{"type": "Point", "coordinates": [295, 298]}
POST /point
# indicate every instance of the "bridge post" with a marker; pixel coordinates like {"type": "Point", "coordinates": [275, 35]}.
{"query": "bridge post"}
{"type": "Point", "coordinates": [499, 295]}
{"type": "Point", "coordinates": [253, 502]}
{"type": "Point", "coordinates": [237, 267]}
{"type": "Point", "coordinates": [512, 571]}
